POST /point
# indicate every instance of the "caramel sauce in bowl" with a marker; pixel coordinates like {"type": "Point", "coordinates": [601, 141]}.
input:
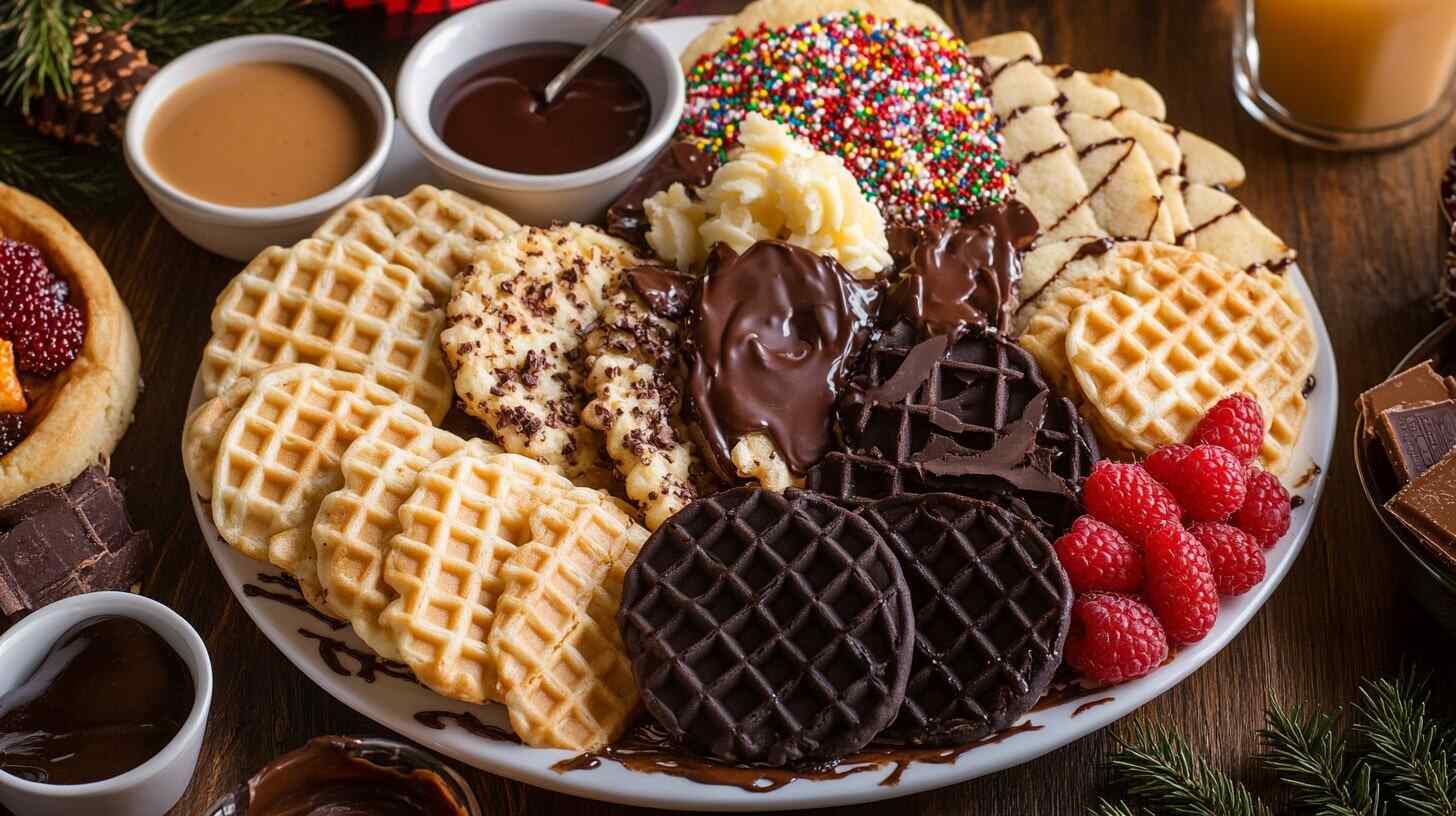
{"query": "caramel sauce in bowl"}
{"type": "Point", "coordinates": [456, 50]}
{"type": "Point", "coordinates": [240, 223]}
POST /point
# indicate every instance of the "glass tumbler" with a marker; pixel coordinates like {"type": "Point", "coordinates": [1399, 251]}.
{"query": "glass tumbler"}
{"type": "Point", "coordinates": [1346, 74]}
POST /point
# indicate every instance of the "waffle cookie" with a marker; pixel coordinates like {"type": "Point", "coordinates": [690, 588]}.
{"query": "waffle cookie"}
{"type": "Point", "coordinates": [516, 325]}
{"type": "Point", "coordinates": [563, 674]}
{"type": "Point", "coordinates": [768, 628]}
{"type": "Point", "coordinates": [1154, 356]}
{"type": "Point", "coordinates": [280, 457]}
{"type": "Point", "coordinates": [433, 233]}
{"type": "Point", "coordinates": [468, 514]}
{"type": "Point", "coordinates": [356, 522]}
{"type": "Point", "coordinates": [203, 430]}
{"type": "Point", "coordinates": [992, 609]}
{"type": "Point", "coordinates": [334, 304]}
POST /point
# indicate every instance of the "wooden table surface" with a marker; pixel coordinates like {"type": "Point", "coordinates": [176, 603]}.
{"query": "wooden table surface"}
{"type": "Point", "coordinates": [1369, 236]}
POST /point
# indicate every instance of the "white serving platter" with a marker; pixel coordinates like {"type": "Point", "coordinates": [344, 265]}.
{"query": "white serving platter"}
{"type": "Point", "coordinates": [394, 702]}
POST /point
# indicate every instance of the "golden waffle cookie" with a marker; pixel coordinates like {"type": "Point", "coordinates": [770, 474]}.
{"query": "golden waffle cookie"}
{"type": "Point", "coordinates": [335, 304]}
{"type": "Point", "coordinates": [202, 434]}
{"type": "Point", "coordinates": [280, 457]}
{"type": "Point", "coordinates": [1154, 355]}
{"type": "Point", "coordinates": [433, 233]}
{"type": "Point", "coordinates": [564, 674]}
{"type": "Point", "coordinates": [468, 514]}
{"type": "Point", "coordinates": [356, 522]}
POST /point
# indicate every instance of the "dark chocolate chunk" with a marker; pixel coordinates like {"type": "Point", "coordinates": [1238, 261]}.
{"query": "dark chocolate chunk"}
{"type": "Point", "coordinates": [61, 541]}
{"type": "Point", "coordinates": [1417, 435]}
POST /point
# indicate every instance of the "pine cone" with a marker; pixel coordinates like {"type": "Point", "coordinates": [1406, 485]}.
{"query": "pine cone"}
{"type": "Point", "coordinates": [107, 73]}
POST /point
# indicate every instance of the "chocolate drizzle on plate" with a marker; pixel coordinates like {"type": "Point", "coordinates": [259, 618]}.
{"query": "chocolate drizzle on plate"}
{"type": "Point", "coordinates": [1091, 704]}
{"type": "Point", "coordinates": [370, 666]}
{"type": "Point", "coordinates": [646, 749]}
{"type": "Point", "coordinates": [466, 720]}
{"type": "Point", "coordinates": [291, 596]}
{"type": "Point", "coordinates": [771, 336]}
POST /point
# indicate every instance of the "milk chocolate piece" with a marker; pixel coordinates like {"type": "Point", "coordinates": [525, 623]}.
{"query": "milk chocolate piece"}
{"type": "Point", "coordinates": [1416, 436]}
{"type": "Point", "coordinates": [1427, 506]}
{"type": "Point", "coordinates": [61, 541]}
{"type": "Point", "coordinates": [1418, 384]}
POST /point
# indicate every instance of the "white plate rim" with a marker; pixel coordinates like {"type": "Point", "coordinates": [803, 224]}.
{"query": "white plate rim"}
{"type": "Point", "coordinates": [394, 707]}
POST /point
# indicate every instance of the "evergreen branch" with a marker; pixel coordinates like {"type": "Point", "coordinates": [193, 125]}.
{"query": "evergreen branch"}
{"type": "Point", "coordinates": [35, 36]}
{"type": "Point", "coordinates": [1409, 749]}
{"type": "Point", "coordinates": [66, 176]}
{"type": "Point", "coordinates": [168, 28]}
{"type": "Point", "coordinates": [1310, 757]}
{"type": "Point", "coordinates": [1161, 772]}
{"type": "Point", "coordinates": [1106, 808]}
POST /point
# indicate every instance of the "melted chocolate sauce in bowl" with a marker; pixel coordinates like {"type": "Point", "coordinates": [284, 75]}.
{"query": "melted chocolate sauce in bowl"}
{"type": "Point", "coordinates": [103, 702]}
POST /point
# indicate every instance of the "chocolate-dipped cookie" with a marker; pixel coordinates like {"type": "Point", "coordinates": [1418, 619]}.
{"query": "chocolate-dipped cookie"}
{"type": "Point", "coordinates": [768, 628]}
{"type": "Point", "coordinates": [992, 608]}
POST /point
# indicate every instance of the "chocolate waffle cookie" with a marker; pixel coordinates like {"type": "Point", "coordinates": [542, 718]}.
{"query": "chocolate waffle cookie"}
{"type": "Point", "coordinates": [768, 628]}
{"type": "Point", "coordinates": [992, 607]}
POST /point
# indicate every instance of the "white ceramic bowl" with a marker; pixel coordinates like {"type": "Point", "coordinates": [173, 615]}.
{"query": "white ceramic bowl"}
{"type": "Point", "coordinates": [242, 232]}
{"type": "Point", "coordinates": [466, 37]}
{"type": "Point", "coordinates": [149, 789]}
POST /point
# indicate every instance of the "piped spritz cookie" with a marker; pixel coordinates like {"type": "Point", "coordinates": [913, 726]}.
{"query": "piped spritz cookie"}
{"type": "Point", "coordinates": [515, 328]}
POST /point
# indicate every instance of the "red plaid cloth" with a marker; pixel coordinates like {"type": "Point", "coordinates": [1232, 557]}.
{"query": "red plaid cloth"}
{"type": "Point", "coordinates": [415, 7]}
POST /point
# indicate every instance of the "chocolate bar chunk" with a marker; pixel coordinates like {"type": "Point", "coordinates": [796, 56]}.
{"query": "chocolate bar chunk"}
{"type": "Point", "coordinates": [1417, 435]}
{"type": "Point", "coordinates": [61, 541]}
{"type": "Point", "coordinates": [1418, 384]}
{"type": "Point", "coordinates": [1427, 506]}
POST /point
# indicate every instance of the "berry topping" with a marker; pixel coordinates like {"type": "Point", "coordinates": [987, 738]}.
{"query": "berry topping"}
{"type": "Point", "coordinates": [12, 431]}
{"type": "Point", "coordinates": [1114, 638]}
{"type": "Point", "coordinates": [47, 331]}
{"type": "Point", "coordinates": [1265, 513]}
{"type": "Point", "coordinates": [1179, 584]}
{"type": "Point", "coordinates": [1234, 555]}
{"type": "Point", "coordinates": [1235, 424]}
{"type": "Point", "coordinates": [1209, 483]}
{"type": "Point", "coordinates": [1128, 498]}
{"type": "Point", "coordinates": [1097, 557]}
{"type": "Point", "coordinates": [1163, 463]}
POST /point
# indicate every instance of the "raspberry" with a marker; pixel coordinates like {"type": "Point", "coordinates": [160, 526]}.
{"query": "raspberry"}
{"type": "Point", "coordinates": [1163, 463]}
{"type": "Point", "coordinates": [12, 431]}
{"type": "Point", "coordinates": [1097, 557]}
{"type": "Point", "coordinates": [1265, 514]}
{"type": "Point", "coordinates": [1209, 483]}
{"type": "Point", "coordinates": [47, 332]}
{"type": "Point", "coordinates": [1180, 586]}
{"type": "Point", "coordinates": [1129, 499]}
{"type": "Point", "coordinates": [1237, 561]}
{"type": "Point", "coordinates": [1236, 424]}
{"type": "Point", "coordinates": [1114, 638]}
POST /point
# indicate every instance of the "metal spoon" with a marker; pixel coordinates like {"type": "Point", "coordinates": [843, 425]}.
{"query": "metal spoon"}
{"type": "Point", "coordinates": [604, 40]}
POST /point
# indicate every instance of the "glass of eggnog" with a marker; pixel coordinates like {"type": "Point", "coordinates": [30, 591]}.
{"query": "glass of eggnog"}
{"type": "Point", "coordinates": [1346, 74]}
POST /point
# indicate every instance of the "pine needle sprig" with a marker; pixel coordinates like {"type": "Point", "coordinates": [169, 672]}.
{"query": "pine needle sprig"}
{"type": "Point", "coordinates": [1106, 808]}
{"type": "Point", "coordinates": [1309, 754]}
{"type": "Point", "coordinates": [35, 36]}
{"type": "Point", "coordinates": [1409, 749]}
{"type": "Point", "coordinates": [168, 28]}
{"type": "Point", "coordinates": [1161, 772]}
{"type": "Point", "coordinates": [76, 177]}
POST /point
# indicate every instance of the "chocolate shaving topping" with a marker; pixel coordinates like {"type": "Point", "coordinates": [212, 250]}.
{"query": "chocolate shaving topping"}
{"type": "Point", "coordinates": [912, 373]}
{"type": "Point", "coordinates": [770, 339]}
{"type": "Point", "coordinates": [1015, 458]}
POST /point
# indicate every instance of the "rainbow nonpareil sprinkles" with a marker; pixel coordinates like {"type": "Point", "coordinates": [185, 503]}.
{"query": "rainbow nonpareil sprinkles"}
{"type": "Point", "coordinates": [903, 106]}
